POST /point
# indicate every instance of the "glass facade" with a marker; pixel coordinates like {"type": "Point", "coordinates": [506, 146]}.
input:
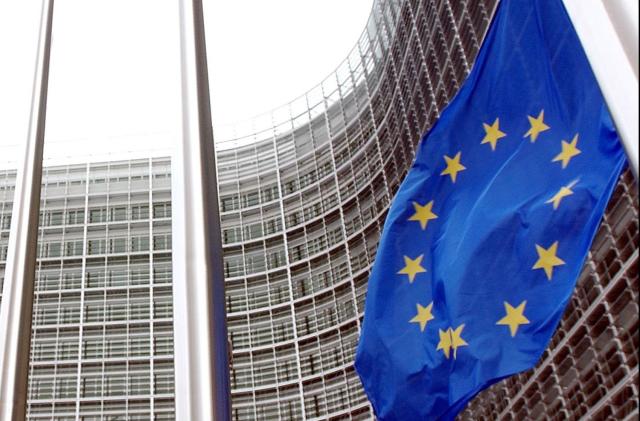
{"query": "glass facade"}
{"type": "Point", "coordinates": [102, 335]}
{"type": "Point", "coordinates": [304, 192]}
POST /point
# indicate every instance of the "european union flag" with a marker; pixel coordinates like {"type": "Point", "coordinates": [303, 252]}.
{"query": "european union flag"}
{"type": "Point", "coordinates": [489, 231]}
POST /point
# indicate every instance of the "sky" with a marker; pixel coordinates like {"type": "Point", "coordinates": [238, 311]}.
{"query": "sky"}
{"type": "Point", "coordinates": [114, 76]}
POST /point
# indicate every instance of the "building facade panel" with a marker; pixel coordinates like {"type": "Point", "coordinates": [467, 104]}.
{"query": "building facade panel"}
{"type": "Point", "coordinates": [102, 334]}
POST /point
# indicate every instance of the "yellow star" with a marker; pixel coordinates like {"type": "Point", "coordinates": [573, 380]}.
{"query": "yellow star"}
{"type": "Point", "coordinates": [424, 315]}
{"type": "Point", "coordinates": [547, 259]}
{"type": "Point", "coordinates": [451, 339]}
{"type": "Point", "coordinates": [445, 342]}
{"type": "Point", "coordinates": [456, 339]}
{"type": "Point", "coordinates": [493, 133]}
{"type": "Point", "coordinates": [514, 317]}
{"type": "Point", "coordinates": [562, 193]}
{"type": "Point", "coordinates": [453, 166]}
{"type": "Point", "coordinates": [412, 267]}
{"type": "Point", "coordinates": [423, 214]}
{"type": "Point", "coordinates": [569, 150]}
{"type": "Point", "coordinates": [537, 126]}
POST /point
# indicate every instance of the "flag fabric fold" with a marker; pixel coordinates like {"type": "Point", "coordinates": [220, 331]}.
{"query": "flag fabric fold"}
{"type": "Point", "coordinates": [489, 231]}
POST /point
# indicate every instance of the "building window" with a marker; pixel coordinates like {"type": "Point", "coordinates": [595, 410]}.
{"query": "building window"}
{"type": "Point", "coordinates": [140, 243]}
{"type": "Point", "coordinates": [53, 250]}
{"type": "Point", "coordinates": [118, 245]}
{"type": "Point", "coordinates": [162, 242]}
{"type": "Point", "coordinates": [162, 210]}
{"type": "Point", "coordinates": [97, 215]}
{"type": "Point", "coordinates": [229, 203]}
{"type": "Point", "coordinates": [75, 216]}
{"type": "Point", "coordinates": [96, 246]}
{"type": "Point", "coordinates": [118, 213]}
{"type": "Point", "coordinates": [73, 248]}
{"type": "Point", "coordinates": [139, 212]}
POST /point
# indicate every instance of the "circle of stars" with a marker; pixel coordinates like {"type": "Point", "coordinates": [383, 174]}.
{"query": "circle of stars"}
{"type": "Point", "coordinates": [450, 339]}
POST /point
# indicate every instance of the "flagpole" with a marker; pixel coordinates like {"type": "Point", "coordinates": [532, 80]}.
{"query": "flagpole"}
{"type": "Point", "coordinates": [17, 298]}
{"type": "Point", "coordinates": [199, 320]}
{"type": "Point", "coordinates": [608, 31]}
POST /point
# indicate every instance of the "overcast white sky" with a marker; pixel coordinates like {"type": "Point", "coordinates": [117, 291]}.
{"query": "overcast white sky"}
{"type": "Point", "coordinates": [114, 83]}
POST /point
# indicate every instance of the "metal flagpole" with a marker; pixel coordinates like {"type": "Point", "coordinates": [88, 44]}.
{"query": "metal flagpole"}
{"type": "Point", "coordinates": [608, 31]}
{"type": "Point", "coordinates": [17, 298]}
{"type": "Point", "coordinates": [199, 319]}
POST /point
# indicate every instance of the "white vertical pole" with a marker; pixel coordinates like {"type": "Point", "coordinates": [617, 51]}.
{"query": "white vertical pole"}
{"type": "Point", "coordinates": [17, 303]}
{"type": "Point", "coordinates": [199, 319]}
{"type": "Point", "coordinates": [608, 30]}
{"type": "Point", "coordinates": [624, 16]}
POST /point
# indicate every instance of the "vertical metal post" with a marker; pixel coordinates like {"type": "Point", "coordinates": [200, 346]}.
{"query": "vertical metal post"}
{"type": "Point", "coordinates": [17, 302]}
{"type": "Point", "coordinates": [199, 318]}
{"type": "Point", "coordinates": [609, 36]}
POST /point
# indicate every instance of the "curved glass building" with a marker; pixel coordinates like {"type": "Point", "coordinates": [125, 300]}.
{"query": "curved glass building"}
{"type": "Point", "coordinates": [304, 191]}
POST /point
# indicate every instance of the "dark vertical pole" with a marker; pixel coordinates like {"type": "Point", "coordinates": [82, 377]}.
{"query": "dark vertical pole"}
{"type": "Point", "coordinates": [17, 299]}
{"type": "Point", "coordinates": [200, 331]}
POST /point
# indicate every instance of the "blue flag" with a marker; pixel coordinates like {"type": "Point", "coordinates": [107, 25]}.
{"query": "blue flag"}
{"type": "Point", "coordinates": [490, 229]}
